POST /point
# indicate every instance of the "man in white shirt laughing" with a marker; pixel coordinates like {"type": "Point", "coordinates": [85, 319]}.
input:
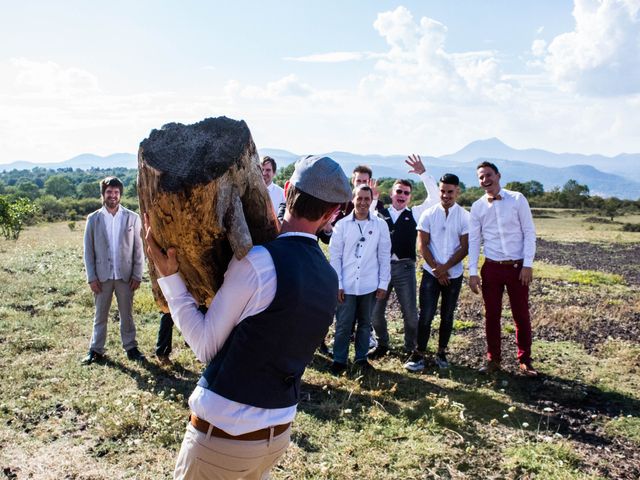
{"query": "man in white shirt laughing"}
{"type": "Point", "coordinates": [443, 239]}
{"type": "Point", "coordinates": [501, 220]}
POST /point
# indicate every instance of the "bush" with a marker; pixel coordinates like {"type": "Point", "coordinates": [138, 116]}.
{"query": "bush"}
{"type": "Point", "coordinates": [631, 227]}
{"type": "Point", "coordinates": [14, 215]}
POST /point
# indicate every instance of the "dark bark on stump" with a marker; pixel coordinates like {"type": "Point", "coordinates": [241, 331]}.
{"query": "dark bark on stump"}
{"type": "Point", "coordinates": [202, 189]}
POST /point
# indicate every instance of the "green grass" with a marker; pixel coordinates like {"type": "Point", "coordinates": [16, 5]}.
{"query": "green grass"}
{"type": "Point", "coordinates": [569, 226]}
{"type": "Point", "coordinates": [571, 275]}
{"type": "Point", "coordinates": [625, 427]}
{"type": "Point", "coordinates": [59, 419]}
{"type": "Point", "coordinates": [545, 460]}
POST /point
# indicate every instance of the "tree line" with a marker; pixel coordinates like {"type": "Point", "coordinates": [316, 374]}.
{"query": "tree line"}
{"type": "Point", "coordinates": [41, 194]}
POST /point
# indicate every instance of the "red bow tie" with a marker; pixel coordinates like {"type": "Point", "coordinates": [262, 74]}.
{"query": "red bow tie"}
{"type": "Point", "coordinates": [497, 197]}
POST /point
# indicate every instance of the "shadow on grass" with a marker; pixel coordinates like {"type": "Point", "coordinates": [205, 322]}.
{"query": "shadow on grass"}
{"type": "Point", "coordinates": [546, 403]}
{"type": "Point", "coordinates": [174, 377]}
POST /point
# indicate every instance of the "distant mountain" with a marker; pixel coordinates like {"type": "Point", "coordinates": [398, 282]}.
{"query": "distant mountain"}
{"type": "Point", "coordinates": [83, 162]}
{"type": "Point", "coordinates": [599, 182]}
{"type": "Point", "coordinates": [624, 164]}
{"type": "Point", "coordinates": [605, 176]}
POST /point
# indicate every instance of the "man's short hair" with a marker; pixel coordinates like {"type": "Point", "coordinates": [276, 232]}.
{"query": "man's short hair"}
{"type": "Point", "coordinates": [303, 205]}
{"type": "Point", "coordinates": [111, 182]}
{"type": "Point", "coordinates": [363, 169]}
{"type": "Point", "coordinates": [364, 187]}
{"type": "Point", "coordinates": [450, 179]}
{"type": "Point", "coordinates": [489, 165]}
{"type": "Point", "coordinates": [402, 181]}
{"type": "Point", "coordinates": [268, 159]}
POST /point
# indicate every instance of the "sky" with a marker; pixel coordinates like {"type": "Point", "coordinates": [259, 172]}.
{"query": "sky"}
{"type": "Point", "coordinates": [363, 76]}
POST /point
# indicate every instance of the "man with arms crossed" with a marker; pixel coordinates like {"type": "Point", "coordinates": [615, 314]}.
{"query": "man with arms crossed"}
{"type": "Point", "coordinates": [113, 259]}
{"type": "Point", "coordinates": [276, 193]}
{"type": "Point", "coordinates": [359, 251]}
{"type": "Point", "coordinates": [443, 239]}
{"type": "Point", "coordinates": [501, 220]}
{"type": "Point", "coordinates": [258, 335]}
{"type": "Point", "coordinates": [402, 222]}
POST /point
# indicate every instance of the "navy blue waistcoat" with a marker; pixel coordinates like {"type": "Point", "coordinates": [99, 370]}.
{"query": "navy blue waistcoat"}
{"type": "Point", "coordinates": [403, 234]}
{"type": "Point", "coordinates": [263, 360]}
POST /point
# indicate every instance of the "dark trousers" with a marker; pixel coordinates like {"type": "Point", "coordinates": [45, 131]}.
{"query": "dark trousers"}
{"type": "Point", "coordinates": [430, 290]}
{"type": "Point", "coordinates": [495, 277]}
{"type": "Point", "coordinates": [165, 336]}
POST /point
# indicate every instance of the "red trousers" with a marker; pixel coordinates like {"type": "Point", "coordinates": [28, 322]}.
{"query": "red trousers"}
{"type": "Point", "coordinates": [495, 277]}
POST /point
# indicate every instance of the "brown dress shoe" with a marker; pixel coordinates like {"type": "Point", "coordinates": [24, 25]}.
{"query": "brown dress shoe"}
{"type": "Point", "coordinates": [527, 370]}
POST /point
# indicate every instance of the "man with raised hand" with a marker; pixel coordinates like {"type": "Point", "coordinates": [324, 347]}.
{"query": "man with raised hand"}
{"type": "Point", "coordinates": [402, 222]}
{"type": "Point", "coordinates": [501, 221]}
{"type": "Point", "coordinates": [276, 192]}
{"type": "Point", "coordinates": [258, 335]}
{"type": "Point", "coordinates": [113, 259]}
{"type": "Point", "coordinates": [359, 251]}
{"type": "Point", "coordinates": [443, 239]}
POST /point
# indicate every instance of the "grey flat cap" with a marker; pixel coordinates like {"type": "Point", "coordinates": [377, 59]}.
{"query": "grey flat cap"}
{"type": "Point", "coordinates": [323, 178]}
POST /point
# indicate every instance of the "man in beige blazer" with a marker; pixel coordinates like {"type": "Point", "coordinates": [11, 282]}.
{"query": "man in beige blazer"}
{"type": "Point", "coordinates": [113, 259]}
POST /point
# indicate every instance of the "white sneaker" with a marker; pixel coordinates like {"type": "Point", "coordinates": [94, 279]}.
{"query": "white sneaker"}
{"type": "Point", "coordinates": [415, 363]}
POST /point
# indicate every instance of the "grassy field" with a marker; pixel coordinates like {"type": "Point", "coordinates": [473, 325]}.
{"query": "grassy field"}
{"type": "Point", "coordinates": [579, 420]}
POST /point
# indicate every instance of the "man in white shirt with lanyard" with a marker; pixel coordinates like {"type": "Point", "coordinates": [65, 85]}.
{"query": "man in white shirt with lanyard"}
{"type": "Point", "coordinates": [501, 221]}
{"type": "Point", "coordinates": [258, 335]}
{"type": "Point", "coordinates": [359, 251]}
{"type": "Point", "coordinates": [402, 222]}
{"type": "Point", "coordinates": [276, 192]}
{"type": "Point", "coordinates": [443, 239]}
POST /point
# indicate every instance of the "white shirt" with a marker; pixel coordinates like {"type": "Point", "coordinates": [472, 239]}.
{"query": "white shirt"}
{"type": "Point", "coordinates": [444, 234]}
{"type": "Point", "coordinates": [113, 224]}
{"type": "Point", "coordinates": [249, 287]}
{"type": "Point", "coordinates": [505, 227]}
{"type": "Point", "coordinates": [362, 266]}
{"type": "Point", "coordinates": [276, 193]}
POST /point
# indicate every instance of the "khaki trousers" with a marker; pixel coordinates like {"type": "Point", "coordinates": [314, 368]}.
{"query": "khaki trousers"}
{"type": "Point", "coordinates": [203, 457]}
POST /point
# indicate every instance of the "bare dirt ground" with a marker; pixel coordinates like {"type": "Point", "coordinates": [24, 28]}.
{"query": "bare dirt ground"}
{"type": "Point", "coordinates": [622, 259]}
{"type": "Point", "coordinates": [589, 317]}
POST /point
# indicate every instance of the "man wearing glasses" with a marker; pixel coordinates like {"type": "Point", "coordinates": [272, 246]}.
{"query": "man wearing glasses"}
{"type": "Point", "coordinates": [402, 222]}
{"type": "Point", "coordinates": [359, 252]}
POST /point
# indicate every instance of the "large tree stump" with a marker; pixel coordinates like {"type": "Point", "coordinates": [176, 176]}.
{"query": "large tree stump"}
{"type": "Point", "coordinates": [202, 189]}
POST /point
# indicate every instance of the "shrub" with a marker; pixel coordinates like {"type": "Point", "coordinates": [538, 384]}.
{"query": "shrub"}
{"type": "Point", "coordinates": [631, 227]}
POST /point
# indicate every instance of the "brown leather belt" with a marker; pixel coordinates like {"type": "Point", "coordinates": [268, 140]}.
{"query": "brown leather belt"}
{"type": "Point", "coordinates": [505, 262]}
{"type": "Point", "coordinates": [262, 434]}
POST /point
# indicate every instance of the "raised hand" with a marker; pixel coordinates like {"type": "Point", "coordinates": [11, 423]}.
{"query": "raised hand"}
{"type": "Point", "coordinates": [415, 162]}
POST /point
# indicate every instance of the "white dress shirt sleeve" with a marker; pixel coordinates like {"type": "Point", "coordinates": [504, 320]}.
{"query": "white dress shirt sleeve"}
{"type": "Point", "coordinates": [433, 196]}
{"type": "Point", "coordinates": [249, 287]}
{"type": "Point", "coordinates": [336, 249]}
{"type": "Point", "coordinates": [528, 231]}
{"type": "Point", "coordinates": [475, 232]}
{"type": "Point", "coordinates": [384, 255]}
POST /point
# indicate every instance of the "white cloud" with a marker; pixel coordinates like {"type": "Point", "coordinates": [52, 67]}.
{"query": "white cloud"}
{"type": "Point", "coordinates": [289, 86]}
{"type": "Point", "coordinates": [538, 48]}
{"type": "Point", "coordinates": [331, 57]}
{"type": "Point", "coordinates": [51, 78]}
{"type": "Point", "coordinates": [601, 56]}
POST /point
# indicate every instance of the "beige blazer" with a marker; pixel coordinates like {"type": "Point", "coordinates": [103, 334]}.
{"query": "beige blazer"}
{"type": "Point", "coordinates": [97, 255]}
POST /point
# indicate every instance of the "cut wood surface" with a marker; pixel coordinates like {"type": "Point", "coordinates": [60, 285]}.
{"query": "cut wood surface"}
{"type": "Point", "coordinates": [201, 186]}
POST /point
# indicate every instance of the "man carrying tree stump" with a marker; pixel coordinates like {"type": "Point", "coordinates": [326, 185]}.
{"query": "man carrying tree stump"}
{"type": "Point", "coordinates": [260, 332]}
